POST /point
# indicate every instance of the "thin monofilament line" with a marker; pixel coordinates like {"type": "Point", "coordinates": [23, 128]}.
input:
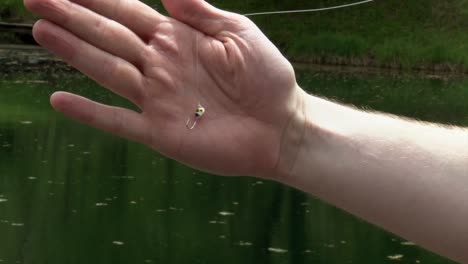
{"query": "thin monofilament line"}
{"type": "Point", "coordinates": [308, 10]}
{"type": "Point", "coordinates": [197, 56]}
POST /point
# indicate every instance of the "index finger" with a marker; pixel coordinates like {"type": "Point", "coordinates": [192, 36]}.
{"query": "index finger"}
{"type": "Point", "coordinates": [133, 14]}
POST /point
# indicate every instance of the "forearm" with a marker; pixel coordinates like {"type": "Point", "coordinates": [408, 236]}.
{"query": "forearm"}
{"type": "Point", "coordinates": [408, 177]}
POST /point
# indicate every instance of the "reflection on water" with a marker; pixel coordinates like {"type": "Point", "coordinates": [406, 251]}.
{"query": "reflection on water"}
{"type": "Point", "coordinates": [71, 194]}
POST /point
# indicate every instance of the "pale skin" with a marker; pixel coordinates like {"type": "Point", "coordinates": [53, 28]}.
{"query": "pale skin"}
{"type": "Point", "coordinates": [407, 177]}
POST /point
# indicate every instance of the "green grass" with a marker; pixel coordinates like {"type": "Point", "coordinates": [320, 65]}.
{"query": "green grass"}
{"type": "Point", "coordinates": [329, 44]}
{"type": "Point", "coordinates": [395, 33]}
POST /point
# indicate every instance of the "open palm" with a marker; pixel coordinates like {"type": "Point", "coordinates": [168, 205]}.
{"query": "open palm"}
{"type": "Point", "coordinates": [167, 66]}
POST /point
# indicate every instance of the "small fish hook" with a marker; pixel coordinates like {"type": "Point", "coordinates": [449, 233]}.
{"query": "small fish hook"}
{"type": "Point", "coordinates": [198, 114]}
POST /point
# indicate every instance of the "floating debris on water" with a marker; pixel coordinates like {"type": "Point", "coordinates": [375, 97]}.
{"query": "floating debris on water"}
{"type": "Point", "coordinates": [161, 210]}
{"type": "Point", "coordinates": [395, 257]}
{"type": "Point", "coordinates": [124, 177]}
{"type": "Point", "coordinates": [3, 200]}
{"type": "Point", "coordinates": [25, 122]}
{"type": "Point", "coordinates": [86, 152]}
{"type": "Point", "coordinates": [133, 202]}
{"type": "Point", "coordinates": [408, 243]}
{"type": "Point", "coordinates": [199, 183]}
{"type": "Point", "coordinates": [101, 204]}
{"type": "Point", "coordinates": [32, 178]}
{"type": "Point", "coordinates": [70, 145]}
{"type": "Point", "coordinates": [235, 203]}
{"type": "Point", "coordinates": [118, 243]}
{"type": "Point", "coordinates": [244, 243]}
{"type": "Point", "coordinates": [38, 81]}
{"type": "Point", "coordinates": [257, 183]}
{"type": "Point", "coordinates": [222, 237]}
{"type": "Point", "coordinates": [343, 242]}
{"type": "Point", "coordinates": [217, 222]}
{"type": "Point", "coordinates": [225, 213]}
{"type": "Point", "coordinates": [277, 250]}
{"type": "Point", "coordinates": [17, 224]}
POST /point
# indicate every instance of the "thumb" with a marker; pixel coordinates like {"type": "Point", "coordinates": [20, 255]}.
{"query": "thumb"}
{"type": "Point", "coordinates": [198, 14]}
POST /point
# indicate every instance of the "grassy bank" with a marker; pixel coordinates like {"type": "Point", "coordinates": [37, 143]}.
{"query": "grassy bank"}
{"type": "Point", "coordinates": [398, 34]}
{"type": "Point", "coordinates": [428, 34]}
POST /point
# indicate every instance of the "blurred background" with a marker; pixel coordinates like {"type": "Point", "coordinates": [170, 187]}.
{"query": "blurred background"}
{"type": "Point", "coordinates": [72, 194]}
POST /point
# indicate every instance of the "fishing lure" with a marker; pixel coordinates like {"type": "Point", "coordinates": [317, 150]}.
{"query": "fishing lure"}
{"type": "Point", "coordinates": [198, 114]}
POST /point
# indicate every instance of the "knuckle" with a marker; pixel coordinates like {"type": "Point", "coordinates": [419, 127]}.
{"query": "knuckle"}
{"type": "Point", "coordinates": [101, 25]}
{"type": "Point", "coordinates": [162, 77]}
{"type": "Point", "coordinates": [111, 68]}
{"type": "Point", "coordinates": [116, 69]}
{"type": "Point", "coordinates": [146, 56]}
{"type": "Point", "coordinates": [111, 29]}
{"type": "Point", "coordinates": [163, 39]}
{"type": "Point", "coordinates": [89, 116]}
{"type": "Point", "coordinates": [138, 94]}
{"type": "Point", "coordinates": [118, 123]}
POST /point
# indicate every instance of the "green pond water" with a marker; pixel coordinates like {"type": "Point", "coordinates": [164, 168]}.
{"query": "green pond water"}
{"type": "Point", "coordinates": [72, 194]}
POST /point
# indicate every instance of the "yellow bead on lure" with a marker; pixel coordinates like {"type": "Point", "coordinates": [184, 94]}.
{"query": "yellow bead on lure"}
{"type": "Point", "coordinates": [200, 111]}
{"type": "Point", "coordinates": [198, 114]}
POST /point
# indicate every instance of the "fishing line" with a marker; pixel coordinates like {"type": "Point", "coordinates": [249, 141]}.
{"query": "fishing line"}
{"type": "Point", "coordinates": [308, 10]}
{"type": "Point", "coordinates": [200, 110]}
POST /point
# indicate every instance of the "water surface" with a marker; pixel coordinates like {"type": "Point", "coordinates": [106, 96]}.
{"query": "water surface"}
{"type": "Point", "coordinates": [72, 194]}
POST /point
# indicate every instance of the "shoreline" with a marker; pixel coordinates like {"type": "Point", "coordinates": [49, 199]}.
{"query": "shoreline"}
{"type": "Point", "coordinates": [368, 63]}
{"type": "Point", "coordinates": [15, 56]}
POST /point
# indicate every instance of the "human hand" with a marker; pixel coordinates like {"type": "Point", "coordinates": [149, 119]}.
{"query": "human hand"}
{"type": "Point", "coordinates": [166, 66]}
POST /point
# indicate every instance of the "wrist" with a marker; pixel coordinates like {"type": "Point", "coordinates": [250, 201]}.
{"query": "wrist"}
{"type": "Point", "coordinates": [312, 140]}
{"type": "Point", "coordinates": [292, 137]}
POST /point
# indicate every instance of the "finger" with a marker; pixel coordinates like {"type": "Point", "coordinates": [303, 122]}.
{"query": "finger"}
{"type": "Point", "coordinates": [101, 32]}
{"type": "Point", "coordinates": [199, 14]}
{"type": "Point", "coordinates": [133, 14]}
{"type": "Point", "coordinates": [118, 121]}
{"type": "Point", "coordinates": [110, 71]}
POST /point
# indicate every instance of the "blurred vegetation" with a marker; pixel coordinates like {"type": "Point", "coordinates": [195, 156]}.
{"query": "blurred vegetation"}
{"type": "Point", "coordinates": [427, 34]}
{"type": "Point", "coordinates": [14, 11]}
